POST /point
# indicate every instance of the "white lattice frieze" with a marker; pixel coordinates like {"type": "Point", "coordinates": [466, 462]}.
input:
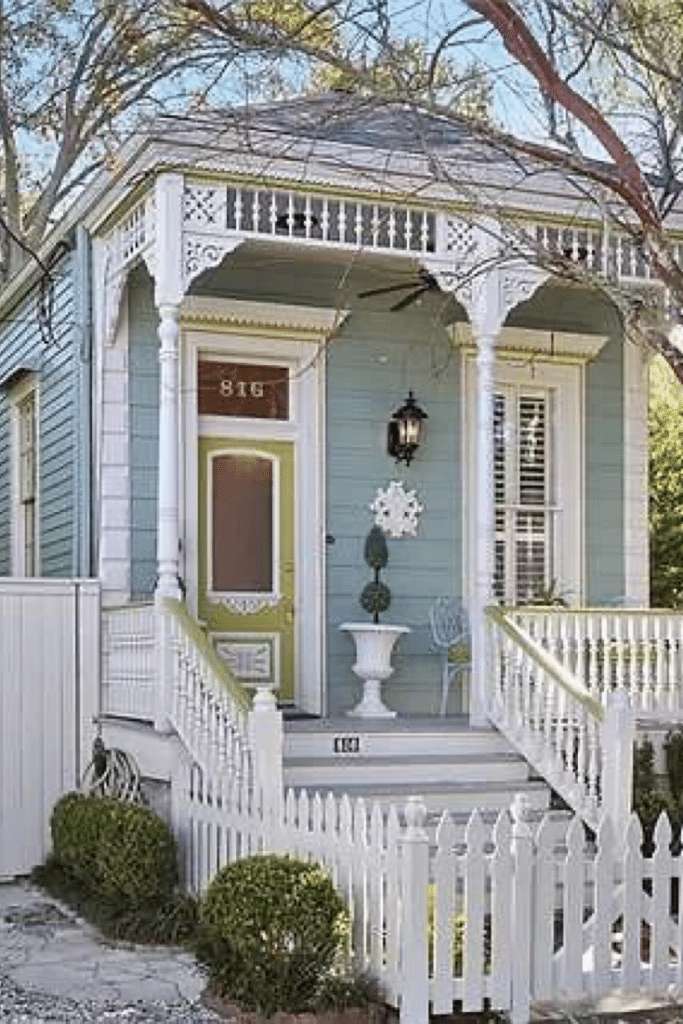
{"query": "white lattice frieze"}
{"type": "Point", "coordinates": [204, 206]}
{"type": "Point", "coordinates": [396, 510]}
{"type": "Point", "coordinates": [202, 252]}
{"type": "Point", "coordinates": [460, 239]}
{"type": "Point", "coordinates": [250, 661]}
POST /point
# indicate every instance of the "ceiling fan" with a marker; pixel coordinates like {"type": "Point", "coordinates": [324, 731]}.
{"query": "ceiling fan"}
{"type": "Point", "coordinates": [425, 282]}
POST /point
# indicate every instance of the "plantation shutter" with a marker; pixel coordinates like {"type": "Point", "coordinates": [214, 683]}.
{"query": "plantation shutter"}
{"type": "Point", "coordinates": [522, 484]}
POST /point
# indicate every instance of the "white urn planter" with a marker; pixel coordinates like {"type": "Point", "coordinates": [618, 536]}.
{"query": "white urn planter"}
{"type": "Point", "coordinates": [374, 644]}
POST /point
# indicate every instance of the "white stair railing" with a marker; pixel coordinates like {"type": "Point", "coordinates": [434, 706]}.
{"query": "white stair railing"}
{"type": "Point", "coordinates": [203, 702]}
{"type": "Point", "coordinates": [583, 749]}
{"type": "Point", "coordinates": [637, 652]}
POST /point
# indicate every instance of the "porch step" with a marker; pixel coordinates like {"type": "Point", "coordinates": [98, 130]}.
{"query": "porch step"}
{"type": "Point", "coordinates": [450, 765]}
{"type": "Point", "coordinates": [322, 738]}
{"type": "Point", "coordinates": [411, 769]}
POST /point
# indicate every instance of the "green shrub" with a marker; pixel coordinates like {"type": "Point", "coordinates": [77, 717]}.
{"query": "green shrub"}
{"type": "Point", "coordinates": [271, 932]}
{"type": "Point", "coordinates": [170, 920]}
{"type": "Point", "coordinates": [120, 850]}
{"type": "Point", "coordinates": [76, 825]}
{"type": "Point", "coordinates": [136, 855]}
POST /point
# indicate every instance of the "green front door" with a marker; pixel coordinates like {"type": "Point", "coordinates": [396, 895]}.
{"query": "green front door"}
{"type": "Point", "coordinates": [247, 586]}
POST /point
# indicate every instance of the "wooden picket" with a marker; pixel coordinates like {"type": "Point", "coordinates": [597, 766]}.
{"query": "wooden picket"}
{"type": "Point", "coordinates": [508, 917]}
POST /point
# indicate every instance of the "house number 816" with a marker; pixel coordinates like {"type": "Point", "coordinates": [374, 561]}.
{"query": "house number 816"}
{"type": "Point", "coordinates": [241, 389]}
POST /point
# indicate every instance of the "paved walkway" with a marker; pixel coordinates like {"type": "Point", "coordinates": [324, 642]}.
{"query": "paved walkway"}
{"type": "Point", "coordinates": [53, 967]}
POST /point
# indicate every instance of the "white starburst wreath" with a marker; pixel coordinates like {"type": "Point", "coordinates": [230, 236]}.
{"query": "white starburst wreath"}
{"type": "Point", "coordinates": [396, 510]}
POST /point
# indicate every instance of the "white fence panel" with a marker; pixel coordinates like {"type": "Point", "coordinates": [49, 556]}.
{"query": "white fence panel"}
{"type": "Point", "coordinates": [508, 917]}
{"type": "Point", "coordinates": [49, 653]}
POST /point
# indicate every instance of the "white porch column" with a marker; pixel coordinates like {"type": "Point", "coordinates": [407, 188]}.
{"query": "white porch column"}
{"type": "Point", "coordinates": [168, 507]}
{"type": "Point", "coordinates": [168, 295]}
{"type": "Point", "coordinates": [489, 276]}
{"type": "Point", "coordinates": [484, 518]}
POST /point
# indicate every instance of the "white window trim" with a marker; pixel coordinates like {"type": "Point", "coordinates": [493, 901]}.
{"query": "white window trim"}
{"type": "Point", "coordinates": [20, 391]}
{"type": "Point", "coordinates": [280, 335]}
{"type": "Point", "coordinates": [240, 598]}
{"type": "Point", "coordinates": [567, 383]}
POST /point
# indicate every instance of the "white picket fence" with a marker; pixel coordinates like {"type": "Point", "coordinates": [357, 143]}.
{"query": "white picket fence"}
{"type": "Point", "coordinates": [506, 918]}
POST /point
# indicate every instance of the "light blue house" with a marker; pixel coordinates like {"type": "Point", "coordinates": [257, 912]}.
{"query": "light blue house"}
{"type": "Point", "coordinates": [202, 416]}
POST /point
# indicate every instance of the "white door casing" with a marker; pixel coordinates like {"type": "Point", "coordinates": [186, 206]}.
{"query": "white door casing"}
{"type": "Point", "coordinates": [273, 335]}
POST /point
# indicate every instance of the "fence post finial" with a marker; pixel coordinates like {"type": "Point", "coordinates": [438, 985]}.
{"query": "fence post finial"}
{"type": "Point", "coordinates": [414, 965]}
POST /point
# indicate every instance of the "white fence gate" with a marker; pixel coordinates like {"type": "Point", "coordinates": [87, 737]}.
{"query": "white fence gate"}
{"type": "Point", "coordinates": [49, 671]}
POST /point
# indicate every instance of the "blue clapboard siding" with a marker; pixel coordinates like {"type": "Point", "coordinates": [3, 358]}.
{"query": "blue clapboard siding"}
{"type": "Point", "coordinates": [375, 359]}
{"type": "Point", "coordinates": [143, 396]}
{"type": "Point", "coordinates": [58, 371]}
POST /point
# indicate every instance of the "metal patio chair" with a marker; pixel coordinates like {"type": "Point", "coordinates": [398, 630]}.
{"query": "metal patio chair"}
{"type": "Point", "coordinates": [451, 637]}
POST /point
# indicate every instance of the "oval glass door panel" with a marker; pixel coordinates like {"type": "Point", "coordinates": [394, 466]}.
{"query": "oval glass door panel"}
{"type": "Point", "coordinates": [246, 557]}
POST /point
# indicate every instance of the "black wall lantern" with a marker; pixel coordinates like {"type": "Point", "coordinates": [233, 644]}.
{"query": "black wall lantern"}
{"type": "Point", "coordinates": [404, 432]}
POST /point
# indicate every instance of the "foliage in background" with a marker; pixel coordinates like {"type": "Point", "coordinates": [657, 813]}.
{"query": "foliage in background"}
{"type": "Point", "coordinates": [666, 488]}
{"type": "Point", "coordinates": [653, 795]}
{"type": "Point", "coordinates": [116, 863]}
{"type": "Point", "coordinates": [272, 936]}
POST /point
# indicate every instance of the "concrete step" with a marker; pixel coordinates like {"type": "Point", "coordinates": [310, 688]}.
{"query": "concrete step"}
{"type": "Point", "coordinates": [409, 770]}
{"type": "Point", "coordinates": [346, 738]}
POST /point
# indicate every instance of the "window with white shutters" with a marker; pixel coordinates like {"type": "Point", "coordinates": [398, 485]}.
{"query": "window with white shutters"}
{"type": "Point", "coordinates": [523, 492]}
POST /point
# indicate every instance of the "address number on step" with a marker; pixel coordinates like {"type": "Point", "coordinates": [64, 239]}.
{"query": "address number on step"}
{"type": "Point", "coordinates": [347, 744]}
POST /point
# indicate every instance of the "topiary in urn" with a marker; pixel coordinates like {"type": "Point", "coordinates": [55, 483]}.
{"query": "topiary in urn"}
{"type": "Point", "coordinates": [376, 596]}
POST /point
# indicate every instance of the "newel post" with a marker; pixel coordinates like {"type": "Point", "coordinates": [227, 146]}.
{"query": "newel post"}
{"type": "Point", "coordinates": [414, 965]}
{"type": "Point", "coordinates": [617, 735]}
{"type": "Point", "coordinates": [522, 903]}
{"type": "Point", "coordinates": [266, 737]}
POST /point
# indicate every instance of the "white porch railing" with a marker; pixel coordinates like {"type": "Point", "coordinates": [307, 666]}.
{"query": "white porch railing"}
{"type": "Point", "coordinates": [129, 662]}
{"type": "Point", "coordinates": [639, 653]}
{"type": "Point", "coordinates": [582, 749]}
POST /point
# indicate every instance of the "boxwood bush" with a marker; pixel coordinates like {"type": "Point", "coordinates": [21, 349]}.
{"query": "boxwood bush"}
{"type": "Point", "coordinates": [271, 931]}
{"type": "Point", "coordinates": [120, 850]}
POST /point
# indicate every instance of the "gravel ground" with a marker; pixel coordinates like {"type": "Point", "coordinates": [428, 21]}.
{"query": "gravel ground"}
{"type": "Point", "coordinates": [19, 1006]}
{"type": "Point", "coordinates": [56, 968]}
